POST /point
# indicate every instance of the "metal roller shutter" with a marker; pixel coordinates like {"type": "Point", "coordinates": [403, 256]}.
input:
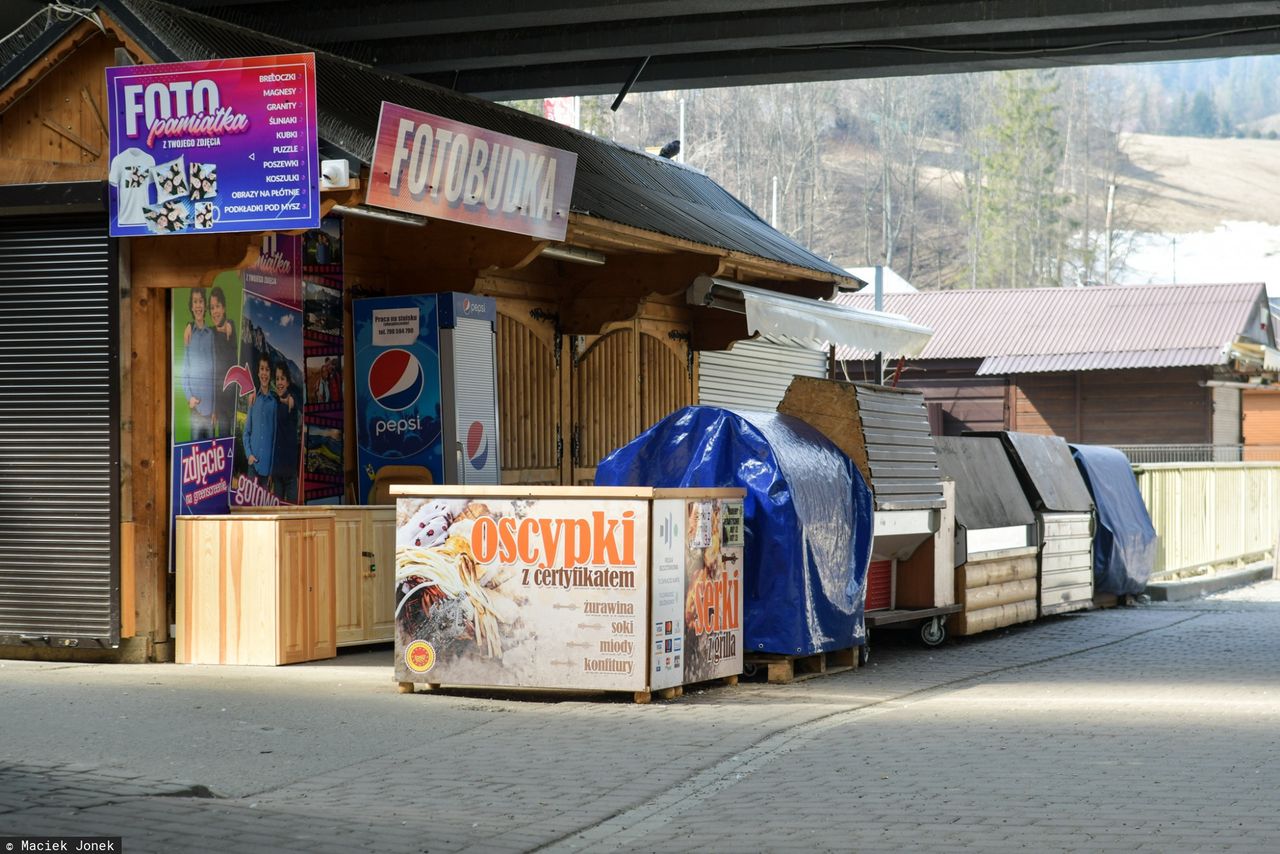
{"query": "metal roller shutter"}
{"type": "Point", "coordinates": [59, 565]}
{"type": "Point", "coordinates": [754, 374]}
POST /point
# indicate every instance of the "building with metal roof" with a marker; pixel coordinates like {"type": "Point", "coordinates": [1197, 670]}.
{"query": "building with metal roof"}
{"type": "Point", "coordinates": [1167, 365]}
{"type": "Point", "coordinates": [1042, 330]}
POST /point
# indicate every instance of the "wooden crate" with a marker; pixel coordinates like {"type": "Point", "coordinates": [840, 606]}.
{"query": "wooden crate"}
{"type": "Point", "coordinates": [255, 589]}
{"type": "Point", "coordinates": [364, 568]}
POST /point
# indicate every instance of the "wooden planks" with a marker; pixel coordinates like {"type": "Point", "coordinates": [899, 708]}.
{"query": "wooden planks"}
{"type": "Point", "coordinates": [995, 592]}
{"type": "Point", "coordinates": [883, 431]}
{"type": "Point", "coordinates": [529, 404]}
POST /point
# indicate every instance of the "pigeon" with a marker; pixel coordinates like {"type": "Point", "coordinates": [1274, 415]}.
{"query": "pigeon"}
{"type": "Point", "coordinates": [671, 149]}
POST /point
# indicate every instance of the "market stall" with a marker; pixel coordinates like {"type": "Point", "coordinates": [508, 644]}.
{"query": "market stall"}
{"type": "Point", "coordinates": [219, 270]}
{"type": "Point", "coordinates": [807, 517]}
{"type": "Point", "coordinates": [995, 548]}
{"type": "Point", "coordinates": [578, 588]}
{"type": "Point", "coordinates": [885, 432]}
{"type": "Point", "coordinates": [1124, 544]}
{"type": "Point", "coordinates": [1064, 518]}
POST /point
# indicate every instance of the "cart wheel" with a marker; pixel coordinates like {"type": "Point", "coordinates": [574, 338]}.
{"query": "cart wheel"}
{"type": "Point", "coordinates": [864, 651]}
{"type": "Point", "coordinates": [933, 632]}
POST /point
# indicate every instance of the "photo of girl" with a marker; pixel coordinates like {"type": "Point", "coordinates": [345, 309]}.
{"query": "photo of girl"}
{"type": "Point", "coordinates": [197, 369]}
{"type": "Point", "coordinates": [260, 426]}
{"type": "Point", "coordinates": [225, 350]}
{"type": "Point", "coordinates": [204, 181]}
{"type": "Point", "coordinates": [204, 215]}
{"type": "Point", "coordinates": [167, 218]}
{"type": "Point", "coordinates": [171, 180]}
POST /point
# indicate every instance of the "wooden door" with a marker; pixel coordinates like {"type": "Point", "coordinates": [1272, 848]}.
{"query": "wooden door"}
{"type": "Point", "coordinates": [380, 580]}
{"type": "Point", "coordinates": [294, 616]}
{"type": "Point", "coordinates": [624, 381]}
{"type": "Point", "coordinates": [666, 370]}
{"type": "Point", "coordinates": [529, 392]}
{"type": "Point", "coordinates": [319, 548]}
{"type": "Point", "coordinates": [350, 569]}
{"type": "Point", "coordinates": [606, 411]}
{"type": "Point", "coordinates": [1261, 425]}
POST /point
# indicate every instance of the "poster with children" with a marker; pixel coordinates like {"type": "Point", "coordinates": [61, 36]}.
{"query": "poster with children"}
{"type": "Point", "coordinates": [268, 453]}
{"type": "Point", "coordinates": [206, 387]}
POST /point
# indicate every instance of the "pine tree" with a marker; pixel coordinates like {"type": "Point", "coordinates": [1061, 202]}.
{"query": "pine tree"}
{"type": "Point", "coordinates": [1021, 209]}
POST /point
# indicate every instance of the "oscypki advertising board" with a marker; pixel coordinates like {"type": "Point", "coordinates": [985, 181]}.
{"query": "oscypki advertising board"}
{"type": "Point", "coordinates": [567, 588]}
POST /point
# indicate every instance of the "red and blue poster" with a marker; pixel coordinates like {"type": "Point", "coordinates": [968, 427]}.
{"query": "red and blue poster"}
{"type": "Point", "coordinates": [213, 146]}
{"type": "Point", "coordinates": [324, 480]}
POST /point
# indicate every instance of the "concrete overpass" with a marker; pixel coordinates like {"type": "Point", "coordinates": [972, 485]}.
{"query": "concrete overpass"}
{"type": "Point", "coordinates": [504, 49]}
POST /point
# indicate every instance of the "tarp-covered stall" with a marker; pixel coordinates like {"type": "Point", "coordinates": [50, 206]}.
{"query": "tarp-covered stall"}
{"type": "Point", "coordinates": [995, 536]}
{"type": "Point", "coordinates": [808, 517]}
{"type": "Point", "coordinates": [1064, 513]}
{"type": "Point", "coordinates": [1124, 544]}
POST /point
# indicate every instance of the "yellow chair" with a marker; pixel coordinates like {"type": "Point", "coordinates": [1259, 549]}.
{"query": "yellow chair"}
{"type": "Point", "coordinates": [389, 475]}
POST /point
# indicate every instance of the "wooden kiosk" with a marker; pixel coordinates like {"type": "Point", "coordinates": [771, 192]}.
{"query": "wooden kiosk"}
{"type": "Point", "coordinates": [628, 589]}
{"type": "Point", "coordinates": [595, 339]}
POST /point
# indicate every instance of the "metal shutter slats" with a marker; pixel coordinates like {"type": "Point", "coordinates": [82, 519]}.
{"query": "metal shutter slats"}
{"type": "Point", "coordinates": [59, 578]}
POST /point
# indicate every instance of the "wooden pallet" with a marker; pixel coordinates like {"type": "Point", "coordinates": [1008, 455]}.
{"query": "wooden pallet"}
{"type": "Point", "coordinates": [781, 669]}
{"type": "Point", "coordinates": [678, 691]}
{"type": "Point", "coordinates": [641, 697]}
{"type": "Point", "coordinates": [1105, 600]}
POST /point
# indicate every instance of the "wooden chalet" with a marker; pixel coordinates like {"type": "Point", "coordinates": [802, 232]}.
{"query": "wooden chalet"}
{"type": "Point", "coordinates": [1173, 366]}
{"type": "Point", "coordinates": [588, 354]}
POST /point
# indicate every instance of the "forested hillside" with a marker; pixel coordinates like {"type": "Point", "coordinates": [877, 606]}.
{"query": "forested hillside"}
{"type": "Point", "coordinates": [991, 180]}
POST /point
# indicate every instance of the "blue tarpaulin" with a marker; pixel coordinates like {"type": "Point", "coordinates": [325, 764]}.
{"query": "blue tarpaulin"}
{"type": "Point", "coordinates": [808, 517]}
{"type": "Point", "coordinates": [1124, 545]}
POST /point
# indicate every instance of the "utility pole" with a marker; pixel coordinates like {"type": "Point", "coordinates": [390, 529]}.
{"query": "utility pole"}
{"type": "Point", "coordinates": [773, 205]}
{"type": "Point", "coordinates": [684, 143]}
{"type": "Point", "coordinates": [1106, 261]}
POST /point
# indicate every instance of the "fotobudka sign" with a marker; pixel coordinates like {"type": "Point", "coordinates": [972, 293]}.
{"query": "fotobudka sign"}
{"type": "Point", "coordinates": [435, 167]}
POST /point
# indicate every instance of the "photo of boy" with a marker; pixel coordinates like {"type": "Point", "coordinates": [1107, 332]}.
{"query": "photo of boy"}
{"type": "Point", "coordinates": [268, 457]}
{"type": "Point", "coordinates": [288, 448]}
{"type": "Point", "coordinates": [259, 438]}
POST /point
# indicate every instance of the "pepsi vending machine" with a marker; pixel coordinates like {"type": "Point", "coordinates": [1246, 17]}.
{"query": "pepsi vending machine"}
{"type": "Point", "coordinates": [426, 387]}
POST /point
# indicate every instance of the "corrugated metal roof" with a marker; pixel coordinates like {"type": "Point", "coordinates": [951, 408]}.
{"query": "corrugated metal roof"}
{"type": "Point", "coordinates": [1065, 329]}
{"type": "Point", "coordinates": [1180, 358]}
{"type": "Point", "coordinates": [614, 182]}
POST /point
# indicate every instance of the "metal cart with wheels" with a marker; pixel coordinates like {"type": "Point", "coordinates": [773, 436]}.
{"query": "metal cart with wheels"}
{"type": "Point", "coordinates": [930, 622]}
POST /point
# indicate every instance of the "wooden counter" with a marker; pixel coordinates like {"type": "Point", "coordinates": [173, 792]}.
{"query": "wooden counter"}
{"type": "Point", "coordinates": [255, 588]}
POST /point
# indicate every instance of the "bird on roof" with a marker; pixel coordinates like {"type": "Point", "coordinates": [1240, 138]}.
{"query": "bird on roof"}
{"type": "Point", "coordinates": [671, 149]}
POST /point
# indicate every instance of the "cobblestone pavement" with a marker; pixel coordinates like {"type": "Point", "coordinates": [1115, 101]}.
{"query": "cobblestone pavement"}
{"type": "Point", "coordinates": [1147, 728]}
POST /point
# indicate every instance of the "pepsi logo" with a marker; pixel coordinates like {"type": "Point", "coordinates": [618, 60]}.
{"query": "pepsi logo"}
{"type": "Point", "coordinates": [396, 379]}
{"type": "Point", "coordinates": [477, 446]}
